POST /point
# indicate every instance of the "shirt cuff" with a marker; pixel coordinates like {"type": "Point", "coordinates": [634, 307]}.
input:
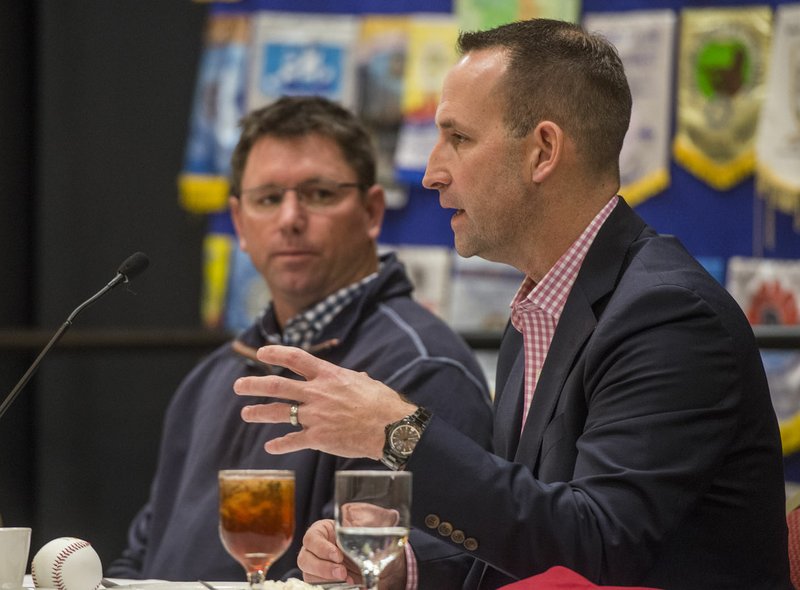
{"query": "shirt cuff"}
{"type": "Point", "coordinates": [412, 574]}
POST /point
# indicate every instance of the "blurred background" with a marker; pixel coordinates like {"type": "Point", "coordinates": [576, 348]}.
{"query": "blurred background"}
{"type": "Point", "coordinates": [98, 103]}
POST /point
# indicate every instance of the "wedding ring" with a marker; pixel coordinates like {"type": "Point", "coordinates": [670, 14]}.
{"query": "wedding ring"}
{"type": "Point", "coordinates": [293, 415]}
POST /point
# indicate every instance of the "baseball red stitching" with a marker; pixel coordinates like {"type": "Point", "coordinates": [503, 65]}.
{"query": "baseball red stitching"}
{"type": "Point", "coordinates": [58, 563]}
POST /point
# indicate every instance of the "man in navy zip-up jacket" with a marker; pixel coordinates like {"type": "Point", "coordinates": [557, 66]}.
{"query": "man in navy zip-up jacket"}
{"type": "Point", "coordinates": [308, 212]}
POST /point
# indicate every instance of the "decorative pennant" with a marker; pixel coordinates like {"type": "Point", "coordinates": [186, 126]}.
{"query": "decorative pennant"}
{"type": "Point", "coordinates": [479, 15]}
{"type": "Point", "coordinates": [481, 294]}
{"type": "Point", "coordinates": [380, 64]}
{"type": "Point", "coordinates": [644, 40]}
{"type": "Point", "coordinates": [431, 52]}
{"type": "Point", "coordinates": [567, 10]}
{"type": "Point", "coordinates": [302, 54]}
{"type": "Point", "coordinates": [219, 248]}
{"type": "Point", "coordinates": [778, 136]}
{"type": "Point", "coordinates": [247, 295]}
{"type": "Point", "coordinates": [723, 65]}
{"type": "Point", "coordinates": [216, 110]}
{"type": "Point", "coordinates": [428, 268]}
{"type": "Point", "coordinates": [768, 291]}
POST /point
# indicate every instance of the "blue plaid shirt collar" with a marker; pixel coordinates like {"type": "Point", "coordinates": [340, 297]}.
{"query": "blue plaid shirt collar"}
{"type": "Point", "coordinates": [304, 328]}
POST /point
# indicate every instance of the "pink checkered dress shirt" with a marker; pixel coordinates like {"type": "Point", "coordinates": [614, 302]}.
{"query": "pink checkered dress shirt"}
{"type": "Point", "coordinates": [537, 307]}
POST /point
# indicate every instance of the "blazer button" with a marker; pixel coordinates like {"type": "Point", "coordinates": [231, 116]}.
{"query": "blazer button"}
{"type": "Point", "coordinates": [445, 529]}
{"type": "Point", "coordinates": [457, 536]}
{"type": "Point", "coordinates": [431, 521]}
{"type": "Point", "coordinates": [470, 544]}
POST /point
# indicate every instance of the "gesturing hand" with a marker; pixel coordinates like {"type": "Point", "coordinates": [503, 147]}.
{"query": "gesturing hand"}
{"type": "Point", "coordinates": [342, 412]}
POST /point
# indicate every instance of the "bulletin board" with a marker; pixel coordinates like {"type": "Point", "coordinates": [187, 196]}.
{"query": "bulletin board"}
{"type": "Point", "coordinates": [713, 224]}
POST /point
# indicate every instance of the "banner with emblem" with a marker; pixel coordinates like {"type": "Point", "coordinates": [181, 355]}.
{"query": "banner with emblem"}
{"type": "Point", "coordinates": [568, 10]}
{"type": "Point", "coordinates": [302, 54]}
{"type": "Point", "coordinates": [721, 82]}
{"type": "Point", "coordinates": [431, 52]}
{"type": "Point", "coordinates": [216, 109]}
{"type": "Point", "coordinates": [644, 40]}
{"type": "Point", "coordinates": [380, 67]}
{"type": "Point", "coordinates": [478, 15]}
{"type": "Point", "coordinates": [778, 137]}
{"type": "Point", "coordinates": [768, 291]}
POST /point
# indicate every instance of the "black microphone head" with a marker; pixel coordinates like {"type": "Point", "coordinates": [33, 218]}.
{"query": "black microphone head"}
{"type": "Point", "coordinates": [133, 265]}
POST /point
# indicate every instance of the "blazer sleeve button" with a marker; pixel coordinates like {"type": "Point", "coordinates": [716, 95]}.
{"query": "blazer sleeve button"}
{"type": "Point", "coordinates": [470, 544]}
{"type": "Point", "coordinates": [431, 521]}
{"type": "Point", "coordinates": [445, 529]}
{"type": "Point", "coordinates": [457, 536]}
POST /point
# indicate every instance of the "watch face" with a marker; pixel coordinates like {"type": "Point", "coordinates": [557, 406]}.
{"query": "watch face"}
{"type": "Point", "coordinates": [404, 438]}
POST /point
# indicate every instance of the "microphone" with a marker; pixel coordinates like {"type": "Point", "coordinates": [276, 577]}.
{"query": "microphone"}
{"type": "Point", "coordinates": [132, 267]}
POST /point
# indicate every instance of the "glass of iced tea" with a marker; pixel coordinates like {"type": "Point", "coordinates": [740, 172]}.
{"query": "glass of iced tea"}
{"type": "Point", "coordinates": [256, 517]}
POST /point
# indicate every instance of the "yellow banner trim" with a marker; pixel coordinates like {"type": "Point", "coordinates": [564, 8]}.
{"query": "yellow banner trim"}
{"type": "Point", "coordinates": [217, 250]}
{"type": "Point", "coordinates": [719, 175]}
{"type": "Point", "coordinates": [790, 434]}
{"type": "Point", "coordinates": [203, 193]}
{"type": "Point", "coordinates": [644, 188]}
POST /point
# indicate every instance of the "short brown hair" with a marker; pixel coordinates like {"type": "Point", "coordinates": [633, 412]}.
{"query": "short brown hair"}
{"type": "Point", "coordinates": [557, 71]}
{"type": "Point", "coordinates": [297, 116]}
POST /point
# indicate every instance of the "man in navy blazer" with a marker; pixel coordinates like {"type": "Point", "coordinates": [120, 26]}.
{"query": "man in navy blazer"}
{"type": "Point", "coordinates": [634, 441]}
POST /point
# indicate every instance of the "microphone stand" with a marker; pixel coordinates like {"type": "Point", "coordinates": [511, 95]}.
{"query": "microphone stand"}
{"type": "Point", "coordinates": [32, 369]}
{"type": "Point", "coordinates": [138, 260]}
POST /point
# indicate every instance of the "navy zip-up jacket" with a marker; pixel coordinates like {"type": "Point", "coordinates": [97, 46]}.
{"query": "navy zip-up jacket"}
{"type": "Point", "coordinates": [384, 333]}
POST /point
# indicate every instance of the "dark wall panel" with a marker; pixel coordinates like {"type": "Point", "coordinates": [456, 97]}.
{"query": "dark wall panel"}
{"type": "Point", "coordinates": [16, 254]}
{"type": "Point", "coordinates": [116, 80]}
{"type": "Point", "coordinates": [114, 89]}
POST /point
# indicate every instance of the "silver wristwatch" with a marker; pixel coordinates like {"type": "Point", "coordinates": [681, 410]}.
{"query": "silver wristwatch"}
{"type": "Point", "coordinates": [402, 438]}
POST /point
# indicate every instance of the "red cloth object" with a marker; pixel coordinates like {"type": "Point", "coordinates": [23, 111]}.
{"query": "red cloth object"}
{"type": "Point", "coordinates": [793, 524]}
{"type": "Point", "coordinates": [561, 578]}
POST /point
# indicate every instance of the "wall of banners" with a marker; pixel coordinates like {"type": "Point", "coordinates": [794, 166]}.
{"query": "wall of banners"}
{"type": "Point", "coordinates": [712, 155]}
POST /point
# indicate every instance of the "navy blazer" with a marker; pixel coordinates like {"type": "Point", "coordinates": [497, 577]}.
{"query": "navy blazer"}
{"type": "Point", "coordinates": [651, 453]}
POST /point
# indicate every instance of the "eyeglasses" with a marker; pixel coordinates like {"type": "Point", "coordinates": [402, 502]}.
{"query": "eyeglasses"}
{"type": "Point", "coordinates": [316, 195]}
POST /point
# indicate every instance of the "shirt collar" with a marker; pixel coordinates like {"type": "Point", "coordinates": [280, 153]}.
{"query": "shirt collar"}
{"type": "Point", "coordinates": [550, 294]}
{"type": "Point", "coordinates": [304, 328]}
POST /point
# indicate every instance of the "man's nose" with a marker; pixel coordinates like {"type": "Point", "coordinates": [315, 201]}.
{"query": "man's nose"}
{"type": "Point", "coordinates": [436, 175]}
{"type": "Point", "coordinates": [292, 214]}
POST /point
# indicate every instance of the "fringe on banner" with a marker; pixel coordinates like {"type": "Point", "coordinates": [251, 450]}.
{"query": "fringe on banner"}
{"type": "Point", "coordinates": [778, 192]}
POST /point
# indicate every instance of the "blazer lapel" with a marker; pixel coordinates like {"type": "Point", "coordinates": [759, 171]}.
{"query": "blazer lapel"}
{"type": "Point", "coordinates": [596, 279]}
{"type": "Point", "coordinates": [508, 410]}
{"type": "Point", "coordinates": [576, 324]}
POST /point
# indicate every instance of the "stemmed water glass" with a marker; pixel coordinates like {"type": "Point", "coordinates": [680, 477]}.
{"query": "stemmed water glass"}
{"type": "Point", "coordinates": [256, 518]}
{"type": "Point", "coordinates": [372, 518]}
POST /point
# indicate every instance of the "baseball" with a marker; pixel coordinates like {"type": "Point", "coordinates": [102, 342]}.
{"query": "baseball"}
{"type": "Point", "coordinates": [67, 563]}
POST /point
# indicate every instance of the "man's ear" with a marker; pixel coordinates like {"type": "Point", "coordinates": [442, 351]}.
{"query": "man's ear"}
{"type": "Point", "coordinates": [546, 150]}
{"type": "Point", "coordinates": [375, 204]}
{"type": "Point", "coordinates": [235, 207]}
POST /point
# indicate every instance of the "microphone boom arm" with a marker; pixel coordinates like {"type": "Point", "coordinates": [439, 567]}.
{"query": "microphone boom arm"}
{"type": "Point", "coordinates": [131, 267]}
{"type": "Point", "coordinates": [32, 369]}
